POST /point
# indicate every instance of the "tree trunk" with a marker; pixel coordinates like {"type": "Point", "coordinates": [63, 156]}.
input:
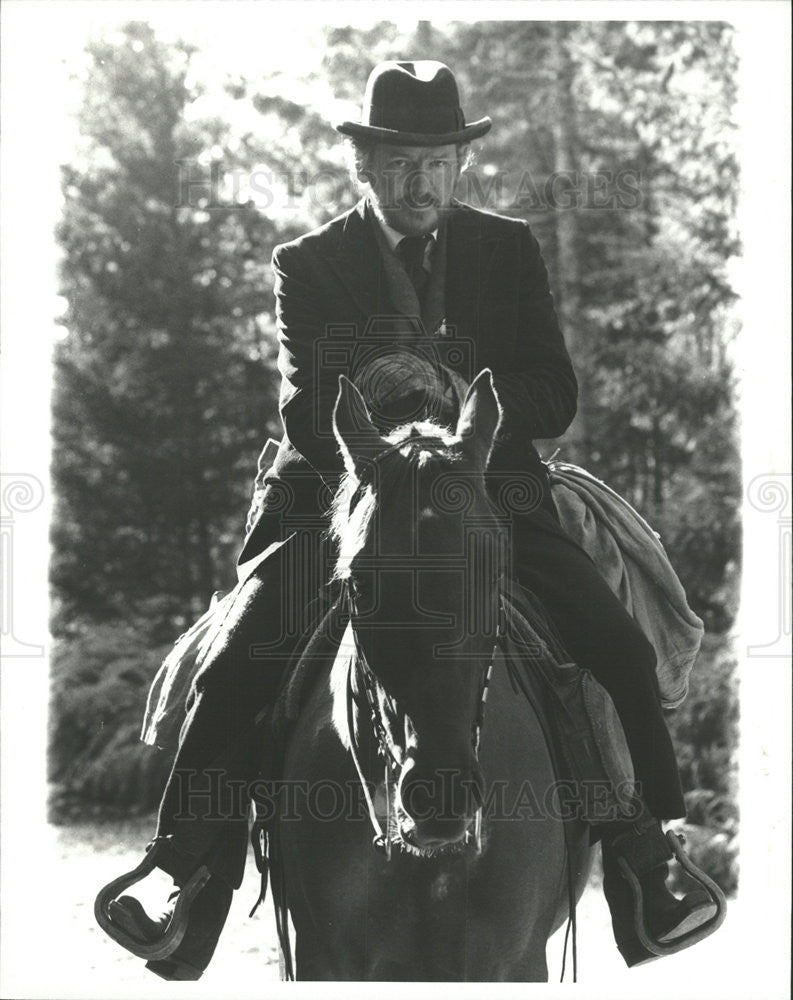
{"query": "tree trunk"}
{"type": "Point", "coordinates": [658, 466]}
{"type": "Point", "coordinates": [566, 183]}
{"type": "Point", "coordinates": [205, 567]}
{"type": "Point", "coordinates": [424, 40]}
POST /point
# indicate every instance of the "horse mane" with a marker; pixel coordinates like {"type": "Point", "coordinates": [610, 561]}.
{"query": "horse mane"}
{"type": "Point", "coordinates": [349, 529]}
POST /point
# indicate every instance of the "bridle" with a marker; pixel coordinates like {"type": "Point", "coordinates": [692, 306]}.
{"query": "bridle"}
{"type": "Point", "coordinates": [361, 671]}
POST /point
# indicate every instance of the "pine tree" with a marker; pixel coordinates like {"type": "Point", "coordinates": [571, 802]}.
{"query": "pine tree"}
{"type": "Point", "coordinates": [164, 380]}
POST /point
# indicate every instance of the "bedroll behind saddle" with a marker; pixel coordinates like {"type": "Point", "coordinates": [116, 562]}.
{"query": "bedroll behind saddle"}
{"type": "Point", "coordinates": [630, 557]}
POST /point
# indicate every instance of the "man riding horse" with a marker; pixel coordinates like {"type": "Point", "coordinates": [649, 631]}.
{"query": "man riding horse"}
{"type": "Point", "coordinates": [449, 290]}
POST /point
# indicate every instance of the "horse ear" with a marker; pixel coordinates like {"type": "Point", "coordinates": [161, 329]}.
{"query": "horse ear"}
{"type": "Point", "coordinates": [479, 418]}
{"type": "Point", "coordinates": [358, 438]}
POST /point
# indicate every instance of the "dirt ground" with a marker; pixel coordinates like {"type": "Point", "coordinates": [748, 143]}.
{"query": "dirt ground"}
{"type": "Point", "coordinates": [81, 962]}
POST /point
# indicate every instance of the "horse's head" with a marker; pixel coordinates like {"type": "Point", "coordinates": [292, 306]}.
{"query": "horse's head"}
{"type": "Point", "coordinates": [422, 552]}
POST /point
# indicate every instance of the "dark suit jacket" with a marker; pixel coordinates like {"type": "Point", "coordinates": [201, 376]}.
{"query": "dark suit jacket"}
{"type": "Point", "coordinates": [333, 301]}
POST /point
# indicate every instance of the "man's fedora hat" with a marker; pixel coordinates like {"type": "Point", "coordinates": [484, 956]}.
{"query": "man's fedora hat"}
{"type": "Point", "coordinates": [413, 104]}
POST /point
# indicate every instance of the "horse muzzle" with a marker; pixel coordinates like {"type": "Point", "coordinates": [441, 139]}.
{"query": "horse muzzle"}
{"type": "Point", "coordinates": [438, 805]}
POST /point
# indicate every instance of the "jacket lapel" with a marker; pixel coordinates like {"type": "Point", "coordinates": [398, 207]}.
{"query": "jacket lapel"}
{"type": "Point", "coordinates": [361, 268]}
{"type": "Point", "coordinates": [469, 262]}
{"type": "Point", "coordinates": [359, 264]}
{"type": "Point", "coordinates": [401, 291]}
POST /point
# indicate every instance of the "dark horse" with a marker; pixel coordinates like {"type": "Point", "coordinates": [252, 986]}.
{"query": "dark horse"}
{"type": "Point", "coordinates": [451, 888]}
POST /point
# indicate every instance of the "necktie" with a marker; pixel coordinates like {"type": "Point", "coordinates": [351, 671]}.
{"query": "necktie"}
{"type": "Point", "coordinates": [411, 252]}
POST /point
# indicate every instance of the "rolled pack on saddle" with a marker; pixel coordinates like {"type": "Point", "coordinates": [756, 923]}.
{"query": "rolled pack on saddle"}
{"type": "Point", "coordinates": [630, 557]}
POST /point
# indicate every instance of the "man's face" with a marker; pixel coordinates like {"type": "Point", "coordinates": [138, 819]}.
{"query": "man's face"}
{"type": "Point", "coordinates": [412, 186]}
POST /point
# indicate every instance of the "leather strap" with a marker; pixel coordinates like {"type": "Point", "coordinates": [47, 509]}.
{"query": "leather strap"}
{"type": "Point", "coordinates": [643, 846]}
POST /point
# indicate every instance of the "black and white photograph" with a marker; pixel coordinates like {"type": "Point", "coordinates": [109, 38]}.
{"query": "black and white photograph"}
{"type": "Point", "coordinates": [396, 499]}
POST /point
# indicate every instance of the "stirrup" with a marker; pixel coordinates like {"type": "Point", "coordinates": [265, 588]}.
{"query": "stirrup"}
{"type": "Point", "coordinates": [174, 932]}
{"type": "Point", "coordinates": [693, 936]}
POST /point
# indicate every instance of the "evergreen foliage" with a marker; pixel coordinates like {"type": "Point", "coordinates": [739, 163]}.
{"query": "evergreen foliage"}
{"type": "Point", "coordinates": [165, 378]}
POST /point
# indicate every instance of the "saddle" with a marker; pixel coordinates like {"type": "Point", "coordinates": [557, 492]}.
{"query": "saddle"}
{"type": "Point", "coordinates": [584, 734]}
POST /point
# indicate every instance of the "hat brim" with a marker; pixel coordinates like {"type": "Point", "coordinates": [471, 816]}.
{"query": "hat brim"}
{"type": "Point", "coordinates": [391, 136]}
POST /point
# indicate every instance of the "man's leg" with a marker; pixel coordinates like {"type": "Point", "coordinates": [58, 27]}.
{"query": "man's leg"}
{"type": "Point", "coordinates": [205, 802]}
{"type": "Point", "coordinates": [203, 816]}
{"type": "Point", "coordinates": [600, 635]}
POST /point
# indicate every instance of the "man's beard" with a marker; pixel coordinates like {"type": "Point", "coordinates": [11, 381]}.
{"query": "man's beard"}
{"type": "Point", "coordinates": [419, 217]}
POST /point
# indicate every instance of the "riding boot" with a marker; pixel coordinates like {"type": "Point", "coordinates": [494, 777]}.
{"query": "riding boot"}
{"type": "Point", "coordinates": [205, 920]}
{"type": "Point", "coordinates": [666, 918]}
{"type": "Point", "coordinates": [186, 931]}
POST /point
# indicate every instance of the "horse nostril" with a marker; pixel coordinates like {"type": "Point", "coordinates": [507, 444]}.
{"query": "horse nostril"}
{"type": "Point", "coordinates": [442, 797]}
{"type": "Point", "coordinates": [415, 792]}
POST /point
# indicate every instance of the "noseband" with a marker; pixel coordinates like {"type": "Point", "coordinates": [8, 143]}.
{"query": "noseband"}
{"type": "Point", "coordinates": [359, 669]}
